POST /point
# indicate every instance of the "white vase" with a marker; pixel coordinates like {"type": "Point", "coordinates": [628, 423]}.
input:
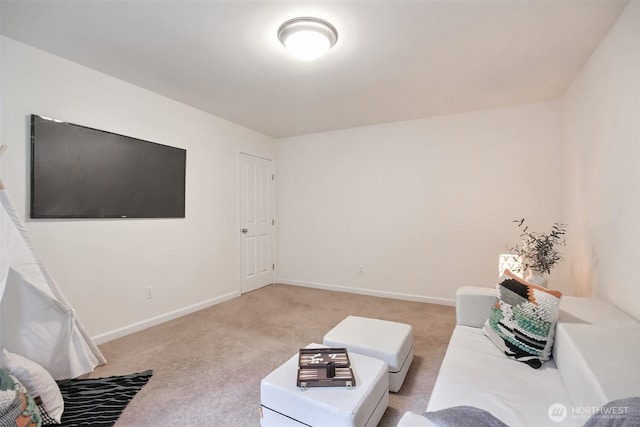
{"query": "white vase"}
{"type": "Point", "coordinates": [535, 277]}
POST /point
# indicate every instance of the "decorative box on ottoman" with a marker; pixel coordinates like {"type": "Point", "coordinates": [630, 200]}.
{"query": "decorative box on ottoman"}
{"type": "Point", "coordinates": [284, 404]}
{"type": "Point", "coordinates": [390, 342]}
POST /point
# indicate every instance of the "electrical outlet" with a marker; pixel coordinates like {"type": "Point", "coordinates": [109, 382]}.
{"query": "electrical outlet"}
{"type": "Point", "coordinates": [147, 292]}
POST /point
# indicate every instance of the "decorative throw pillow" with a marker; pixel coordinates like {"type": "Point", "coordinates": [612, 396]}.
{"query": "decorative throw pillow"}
{"type": "Point", "coordinates": [39, 384]}
{"type": "Point", "coordinates": [522, 322]}
{"type": "Point", "coordinates": [17, 408]}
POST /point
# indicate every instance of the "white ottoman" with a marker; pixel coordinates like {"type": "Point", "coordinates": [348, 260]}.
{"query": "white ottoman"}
{"type": "Point", "coordinates": [390, 342]}
{"type": "Point", "coordinates": [284, 404]}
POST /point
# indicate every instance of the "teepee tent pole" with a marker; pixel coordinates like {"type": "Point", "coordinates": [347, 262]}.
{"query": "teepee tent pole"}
{"type": "Point", "coordinates": [3, 148]}
{"type": "Point", "coordinates": [36, 320]}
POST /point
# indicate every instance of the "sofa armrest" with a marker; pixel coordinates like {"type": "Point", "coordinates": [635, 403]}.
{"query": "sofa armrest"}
{"type": "Point", "coordinates": [473, 305]}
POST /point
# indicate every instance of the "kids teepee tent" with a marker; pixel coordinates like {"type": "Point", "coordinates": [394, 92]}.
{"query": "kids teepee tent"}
{"type": "Point", "coordinates": [36, 321]}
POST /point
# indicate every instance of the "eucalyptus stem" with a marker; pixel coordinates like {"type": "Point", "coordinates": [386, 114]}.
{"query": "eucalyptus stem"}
{"type": "Point", "coordinates": [538, 251]}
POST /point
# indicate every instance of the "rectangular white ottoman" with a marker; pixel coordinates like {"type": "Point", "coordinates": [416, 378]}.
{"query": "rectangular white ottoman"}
{"type": "Point", "coordinates": [284, 404]}
{"type": "Point", "coordinates": [391, 342]}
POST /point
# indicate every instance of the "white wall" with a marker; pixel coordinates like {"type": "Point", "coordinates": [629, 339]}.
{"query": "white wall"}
{"type": "Point", "coordinates": [424, 206]}
{"type": "Point", "coordinates": [602, 134]}
{"type": "Point", "coordinates": [103, 266]}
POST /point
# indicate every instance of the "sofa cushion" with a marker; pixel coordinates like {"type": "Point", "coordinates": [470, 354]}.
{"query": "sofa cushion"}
{"type": "Point", "coordinates": [522, 322]}
{"type": "Point", "coordinates": [475, 373]}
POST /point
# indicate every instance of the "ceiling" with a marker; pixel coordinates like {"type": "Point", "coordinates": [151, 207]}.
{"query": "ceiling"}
{"type": "Point", "coordinates": [394, 60]}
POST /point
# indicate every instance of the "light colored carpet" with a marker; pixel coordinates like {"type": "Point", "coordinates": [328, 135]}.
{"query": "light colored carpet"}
{"type": "Point", "coordinates": [207, 366]}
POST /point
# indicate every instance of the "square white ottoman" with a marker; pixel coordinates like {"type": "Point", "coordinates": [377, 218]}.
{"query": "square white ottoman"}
{"type": "Point", "coordinates": [284, 404]}
{"type": "Point", "coordinates": [391, 342]}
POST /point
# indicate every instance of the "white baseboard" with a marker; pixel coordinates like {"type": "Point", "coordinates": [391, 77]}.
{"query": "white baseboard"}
{"type": "Point", "coordinates": [363, 291]}
{"type": "Point", "coordinates": [135, 327]}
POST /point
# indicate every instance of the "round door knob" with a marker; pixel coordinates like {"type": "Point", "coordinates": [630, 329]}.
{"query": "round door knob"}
{"type": "Point", "coordinates": [244, 230]}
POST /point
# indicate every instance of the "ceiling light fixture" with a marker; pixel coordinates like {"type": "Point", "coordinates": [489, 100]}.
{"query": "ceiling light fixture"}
{"type": "Point", "coordinates": [307, 38]}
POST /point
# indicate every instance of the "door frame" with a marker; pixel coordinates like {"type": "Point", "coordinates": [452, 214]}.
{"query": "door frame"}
{"type": "Point", "coordinates": [237, 215]}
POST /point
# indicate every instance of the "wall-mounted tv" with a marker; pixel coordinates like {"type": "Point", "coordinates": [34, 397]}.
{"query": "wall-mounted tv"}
{"type": "Point", "coordinates": [80, 172]}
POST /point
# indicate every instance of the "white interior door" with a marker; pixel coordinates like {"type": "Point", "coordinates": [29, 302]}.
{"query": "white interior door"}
{"type": "Point", "coordinates": [256, 222]}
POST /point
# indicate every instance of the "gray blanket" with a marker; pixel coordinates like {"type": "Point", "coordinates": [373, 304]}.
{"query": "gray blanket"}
{"type": "Point", "coordinates": [463, 416]}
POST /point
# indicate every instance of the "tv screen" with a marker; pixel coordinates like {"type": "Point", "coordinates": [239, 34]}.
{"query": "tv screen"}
{"type": "Point", "coordinates": [80, 172]}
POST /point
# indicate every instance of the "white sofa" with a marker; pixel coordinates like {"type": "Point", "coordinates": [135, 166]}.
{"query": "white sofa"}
{"type": "Point", "coordinates": [595, 360]}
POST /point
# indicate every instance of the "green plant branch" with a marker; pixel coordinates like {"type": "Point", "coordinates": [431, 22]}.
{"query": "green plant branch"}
{"type": "Point", "coordinates": [538, 251]}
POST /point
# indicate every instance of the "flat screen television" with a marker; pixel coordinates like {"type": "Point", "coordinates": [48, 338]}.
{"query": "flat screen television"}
{"type": "Point", "coordinates": [80, 172]}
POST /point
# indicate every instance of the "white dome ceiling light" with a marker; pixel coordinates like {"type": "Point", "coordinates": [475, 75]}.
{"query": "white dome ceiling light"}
{"type": "Point", "coordinates": [307, 38]}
